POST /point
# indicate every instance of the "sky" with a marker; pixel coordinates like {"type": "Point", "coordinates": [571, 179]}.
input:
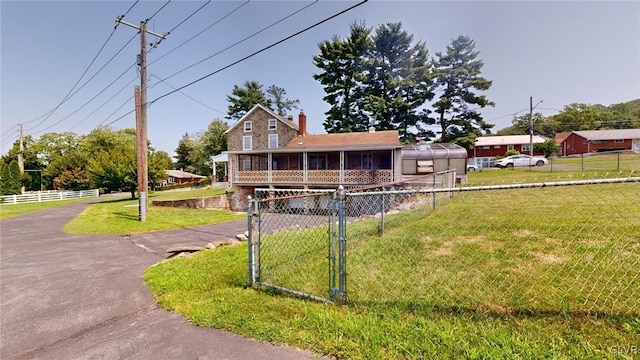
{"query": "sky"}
{"type": "Point", "coordinates": [556, 52]}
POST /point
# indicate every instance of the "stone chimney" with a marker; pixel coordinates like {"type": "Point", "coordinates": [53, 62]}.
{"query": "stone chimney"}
{"type": "Point", "coordinates": [302, 123]}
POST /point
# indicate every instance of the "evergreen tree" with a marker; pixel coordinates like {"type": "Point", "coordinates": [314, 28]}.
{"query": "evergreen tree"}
{"type": "Point", "coordinates": [399, 81]}
{"type": "Point", "coordinates": [457, 77]}
{"type": "Point", "coordinates": [242, 99]}
{"type": "Point", "coordinates": [184, 153]}
{"type": "Point", "coordinates": [277, 97]}
{"type": "Point", "coordinates": [342, 63]}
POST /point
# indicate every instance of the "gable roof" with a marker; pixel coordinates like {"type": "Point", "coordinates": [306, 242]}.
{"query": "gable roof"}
{"type": "Point", "coordinates": [619, 134]}
{"type": "Point", "coordinates": [272, 113]}
{"type": "Point", "coordinates": [562, 136]}
{"type": "Point", "coordinates": [508, 140]}
{"type": "Point", "coordinates": [386, 139]}
{"type": "Point", "coordinates": [179, 174]}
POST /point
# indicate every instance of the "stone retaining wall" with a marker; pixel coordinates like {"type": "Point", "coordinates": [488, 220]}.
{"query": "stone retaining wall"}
{"type": "Point", "coordinates": [212, 202]}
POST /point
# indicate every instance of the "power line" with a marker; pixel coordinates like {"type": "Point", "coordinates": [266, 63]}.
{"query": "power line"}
{"type": "Point", "coordinates": [156, 43]}
{"type": "Point", "coordinates": [248, 56]}
{"type": "Point", "coordinates": [261, 50]}
{"type": "Point", "coordinates": [69, 95]}
{"type": "Point", "coordinates": [157, 11]}
{"type": "Point", "coordinates": [243, 40]}
{"type": "Point", "coordinates": [185, 94]}
{"type": "Point", "coordinates": [201, 32]}
{"type": "Point", "coordinates": [86, 103]}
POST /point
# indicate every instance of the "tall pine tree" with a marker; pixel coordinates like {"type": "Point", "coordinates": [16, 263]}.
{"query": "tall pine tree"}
{"type": "Point", "coordinates": [342, 63]}
{"type": "Point", "coordinates": [399, 80]}
{"type": "Point", "coordinates": [457, 79]}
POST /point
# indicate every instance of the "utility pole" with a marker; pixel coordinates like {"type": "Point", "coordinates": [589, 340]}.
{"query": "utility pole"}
{"type": "Point", "coordinates": [21, 158]}
{"type": "Point", "coordinates": [530, 126]}
{"type": "Point", "coordinates": [141, 118]}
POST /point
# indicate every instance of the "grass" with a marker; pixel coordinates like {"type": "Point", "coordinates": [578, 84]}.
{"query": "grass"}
{"type": "Point", "coordinates": [186, 194]}
{"type": "Point", "coordinates": [120, 216]}
{"type": "Point", "coordinates": [623, 161]}
{"type": "Point", "coordinates": [487, 275]}
{"type": "Point", "coordinates": [525, 175]}
{"type": "Point", "coordinates": [7, 211]}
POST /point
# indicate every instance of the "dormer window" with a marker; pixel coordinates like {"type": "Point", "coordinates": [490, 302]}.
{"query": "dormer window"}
{"type": "Point", "coordinates": [272, 124]}
{"type": "Point", "coordinates": [248, 126]}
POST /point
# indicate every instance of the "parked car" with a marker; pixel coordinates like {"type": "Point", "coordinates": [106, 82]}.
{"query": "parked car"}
{"type": "Point", "coordinates": [520, 160]}
{"type": "Point", "coordinates": [471, 168]}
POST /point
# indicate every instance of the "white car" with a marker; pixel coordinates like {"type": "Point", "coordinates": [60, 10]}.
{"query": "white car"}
{"type": "Point", "coordinates": [471, 168]}
{"type": "Point", "coordinates": [520, 160]}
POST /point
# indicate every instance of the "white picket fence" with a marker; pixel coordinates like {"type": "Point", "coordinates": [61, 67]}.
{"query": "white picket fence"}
{"type": "Point", "coordinates": [50, 195]}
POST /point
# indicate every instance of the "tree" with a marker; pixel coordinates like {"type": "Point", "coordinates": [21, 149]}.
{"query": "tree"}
{"type": "Point", "coordinates": [11, 179]}
{"type": "Point", "coordinates": [457, 77]}
{"type": "Point", "coordinates": [342, 65]}
{"type": "Point", "coordinates": [242, 99]}
{"type": "Point", "coordinates": [276, 96]}
{"type": "Point", "coordinates": [548, 148]}
{"type": "Point", "coordinates": [185, 153]}
{"type": "Point", "coordinates": [399, 81]}
{"type": "Point", "coordinates": [520, 126]}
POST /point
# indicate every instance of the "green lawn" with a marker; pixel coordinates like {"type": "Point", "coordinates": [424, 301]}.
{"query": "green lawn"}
{"type": "Point", "coordinates": [120, 216]}
{"type": "Point", "coordinates": [7, 211]}
{"type": "Point", "coordinates": [487, 275]}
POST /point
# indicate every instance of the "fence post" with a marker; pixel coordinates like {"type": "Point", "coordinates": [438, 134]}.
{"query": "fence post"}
{"type": "Point", "coordinates": [618, 161]}
{"type": "Point", "coordinates": [250, 240]}
{"type": "Point", "coordinates": [333, 291]}
{"type": "Point", "coordinates": [342, 240]}
{"type": "Point", "coordinates": [582, 162]}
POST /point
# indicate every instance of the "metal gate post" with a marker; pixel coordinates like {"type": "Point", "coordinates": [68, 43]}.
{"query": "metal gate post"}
{"type": "Point", "coordinates": [253, 223]}
{"type": "Point", "coordinates": [250, 240]}
{"type": "Point", "coordinates": [342, 245]}
{"type": "Point", "coordinates": [333, 245]}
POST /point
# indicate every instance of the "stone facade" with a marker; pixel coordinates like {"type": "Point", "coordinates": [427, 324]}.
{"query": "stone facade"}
{"type": "Point", "coordinates": [259, 117]}
{"type": "Point", "coordinates": [212, 202]}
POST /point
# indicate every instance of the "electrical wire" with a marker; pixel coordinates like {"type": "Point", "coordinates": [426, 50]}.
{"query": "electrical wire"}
{"type": "Point", "coordinates": [157, 11]}
{"type": "Point", "coordinates": [69, 93]}
{"type": "Point", "coordinates": [86, 103]}
{"type": "Point", "coordinates": [248, 56]}
{"type": "Point", "coordinates": [201, 32]}
{"type": "Point", "coordinates": [242, 40]}
{"type": "Point", "coordinates": [155, 43]}
{"type": "Point", "coordinates": [185, 94]}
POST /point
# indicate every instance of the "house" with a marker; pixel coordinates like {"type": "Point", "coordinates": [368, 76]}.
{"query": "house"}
{"type": "Point", "coordinates": [587, 141]}
{"type": "Point", "coordinates": [268, 150]}
{"type": "Point", "coordinates": [488, 147]}
{"type": "Point", "coordinates": [181, 177]}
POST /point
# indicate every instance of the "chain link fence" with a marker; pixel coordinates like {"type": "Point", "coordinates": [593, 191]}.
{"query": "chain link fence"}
{"type": "Point", "coordinates": [562, 247]}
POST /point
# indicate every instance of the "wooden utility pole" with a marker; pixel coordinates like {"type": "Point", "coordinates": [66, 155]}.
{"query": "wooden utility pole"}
{"type": "Point", "coordinates": [141, 118]}
{"type": "Point", "coordinates": [530, 126]}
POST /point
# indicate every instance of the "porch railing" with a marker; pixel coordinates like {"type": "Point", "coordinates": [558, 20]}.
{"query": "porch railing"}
{"type": "Point", "coordinates": [335, 177]}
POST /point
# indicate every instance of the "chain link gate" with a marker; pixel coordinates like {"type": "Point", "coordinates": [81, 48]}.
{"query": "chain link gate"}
{"type": "Point", "coordinates": [296, 244]}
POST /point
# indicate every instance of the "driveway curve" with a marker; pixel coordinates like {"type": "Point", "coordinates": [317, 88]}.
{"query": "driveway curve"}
{"type": "Point", "coordinates": [82, 296]}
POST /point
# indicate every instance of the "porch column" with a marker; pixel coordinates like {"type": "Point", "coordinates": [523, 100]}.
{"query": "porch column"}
{"type": "Point", "coordinates": [305, 168]}
{"type": "Point", "coordinates": [341, 167]}
{"type": "Point", "coordinates": [269, 167]}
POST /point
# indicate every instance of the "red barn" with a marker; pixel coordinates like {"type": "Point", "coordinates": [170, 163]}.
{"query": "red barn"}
{"type": "Point", "coordinates": [587, 141]}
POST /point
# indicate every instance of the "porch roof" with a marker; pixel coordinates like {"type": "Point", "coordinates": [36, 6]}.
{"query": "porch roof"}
{"type": "Point", "coordinates": [341, 141]}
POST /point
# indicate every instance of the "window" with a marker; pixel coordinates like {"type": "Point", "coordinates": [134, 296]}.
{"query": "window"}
{"type": "Point", "coordinates": [273, 141]}
{"type": "Point", "coordinates": [486, 147]}
{"type": "Point", "coordinates": [496, 146]}
{"type": "Point", "coordinates": [599, 141]}
{"type": "Point", "coordinates": [317, 162]}
{"type": "Point", "coordinates": [525, 147]}
{"type": "Point", "coordinates": [618, 141]}
{"type": "Point", "coordinates": [246, 165]}
{"type": "Point", "coordinates": [367, 161]}
{"type": "Point", "coordinates": [248, 126]}
{"type": "Point", "coordinates": [510, 147]}
{"type": "Point", "coordinates": [246, 142]}
{"type": "Point", "coordinates": [272, 124]}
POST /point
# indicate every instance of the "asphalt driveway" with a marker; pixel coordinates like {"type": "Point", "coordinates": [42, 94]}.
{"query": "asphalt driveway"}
{"type": "Point", "coordinates": [82, 296]}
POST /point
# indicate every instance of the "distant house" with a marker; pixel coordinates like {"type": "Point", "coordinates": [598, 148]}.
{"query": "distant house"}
{"type": "Point", "coordinates": [181, 177]}
{"type": "Point", "coordinates": [487, 147]}
{"type": "Point", "coordinates": [587, 141]}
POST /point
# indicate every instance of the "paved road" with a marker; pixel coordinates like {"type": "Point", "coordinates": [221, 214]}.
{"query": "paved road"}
{"type": "Point", "coordinates": [82, 297]}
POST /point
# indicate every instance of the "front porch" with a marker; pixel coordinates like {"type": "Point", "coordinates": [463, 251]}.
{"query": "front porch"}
{"type": "Point", "coordinates": [315, 168]}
